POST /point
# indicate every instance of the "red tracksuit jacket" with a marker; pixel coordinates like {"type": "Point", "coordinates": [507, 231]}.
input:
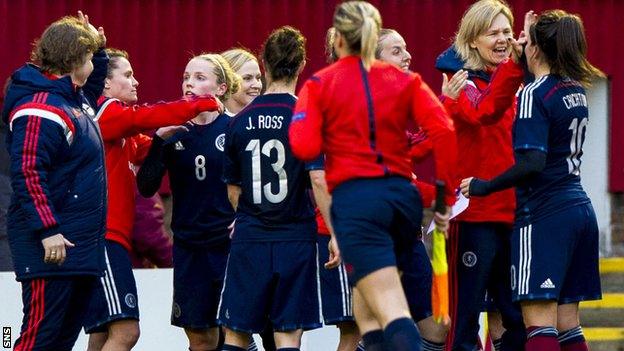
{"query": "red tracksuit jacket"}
{"type": "Point", "coordinates": [483, 115]}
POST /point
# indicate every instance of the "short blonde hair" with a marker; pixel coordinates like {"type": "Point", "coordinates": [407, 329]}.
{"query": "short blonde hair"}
{"type": "Point", "coordinates": [383, 33]}
{"type": "Point", "coordinates": [237, 57]}
{"type": "Point", "coordinates": [223, 71]}
{"type": "Point", "coordinates": [476, 20]}
{"type": "Point", "coordinates": [359, 23]}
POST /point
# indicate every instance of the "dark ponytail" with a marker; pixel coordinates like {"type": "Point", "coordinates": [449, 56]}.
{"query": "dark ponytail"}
{"type": "Point", "coordinates": [560, 36]}
{"type": "Point", "coordinates": [283, 53]}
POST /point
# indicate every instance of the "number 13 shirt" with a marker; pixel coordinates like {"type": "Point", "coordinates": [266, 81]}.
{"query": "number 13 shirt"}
{"type": "Point", "coordinates": [552, 117]}
{"type": "Point", "coordinates": [274, 204]}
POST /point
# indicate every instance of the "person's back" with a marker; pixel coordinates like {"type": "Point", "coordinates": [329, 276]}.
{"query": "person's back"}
{"type": "Point", "coordinates": [555, 107]}
{"type": "Point", "coordinates": [366, 122]}
{"type": "Point", "coordinates": [273, 182]}
{"type": "Point", "coordinates": [271, 274]}
{"type": "Point", "coordinates": [361, 129]}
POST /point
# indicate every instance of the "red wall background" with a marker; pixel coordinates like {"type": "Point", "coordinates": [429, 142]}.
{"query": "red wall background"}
{"type": "Point", "coordinates": [161, 35]}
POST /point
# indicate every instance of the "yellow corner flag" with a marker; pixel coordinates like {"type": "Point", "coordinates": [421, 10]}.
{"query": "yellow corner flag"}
{"type": "Point", "coordinates": [439, 288]}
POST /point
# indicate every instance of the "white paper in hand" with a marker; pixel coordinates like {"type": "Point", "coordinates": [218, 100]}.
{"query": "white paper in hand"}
{"type": "Point", "coordinates": [461, 204]}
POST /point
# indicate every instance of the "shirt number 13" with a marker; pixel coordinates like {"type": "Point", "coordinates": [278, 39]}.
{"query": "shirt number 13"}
{"type": "Point", "coordinates": [278, 167]}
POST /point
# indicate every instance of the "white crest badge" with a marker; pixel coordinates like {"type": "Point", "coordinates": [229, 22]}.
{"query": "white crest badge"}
{"type": "Point", "coordinates": [220, 142]}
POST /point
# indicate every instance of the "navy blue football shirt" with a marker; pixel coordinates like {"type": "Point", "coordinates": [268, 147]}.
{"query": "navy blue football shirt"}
{"type": "Point", "coordinates": [194, 160]}
{"type": "Point", "coordinates": [552, 117]}
{"type": "Point", "coordinates": [274, 183]}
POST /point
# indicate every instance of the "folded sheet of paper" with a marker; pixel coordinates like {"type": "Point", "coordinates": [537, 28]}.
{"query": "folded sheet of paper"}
{"type": "Point", "coordinates": [461, 204]}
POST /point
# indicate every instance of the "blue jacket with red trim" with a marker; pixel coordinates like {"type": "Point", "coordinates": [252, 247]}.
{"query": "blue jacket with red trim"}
{"type": "Point", "coordinates": [57, 171]}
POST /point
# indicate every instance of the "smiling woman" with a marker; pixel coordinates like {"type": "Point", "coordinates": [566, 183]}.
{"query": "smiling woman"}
{"type": "Point", "coordinates": [245, 64]}
{"type": "Point", "coordinates": [480, 98]}
{"type": "Point", "coordinates": [193, 156]}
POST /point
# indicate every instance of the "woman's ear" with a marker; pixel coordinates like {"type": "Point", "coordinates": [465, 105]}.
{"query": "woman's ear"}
{"type": "Point", "coordinates": [106, 83]}
{"type": "Point", "coordinates": [301, 67]}
{"type": "Point", "coordinates": [222, 89]}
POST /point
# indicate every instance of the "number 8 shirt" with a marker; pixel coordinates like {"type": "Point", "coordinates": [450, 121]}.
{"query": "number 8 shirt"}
{"type": "Point", "coordinates": [201, 210]}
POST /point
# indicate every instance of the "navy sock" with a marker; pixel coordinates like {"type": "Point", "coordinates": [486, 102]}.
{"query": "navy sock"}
{"type": "Point", "coordinates": [432, 346]}
{"type": "Point", "coordinates": [360, 345]}
{"type": "Point", "coordinates": [227, 347]}
{"type": "Point", "coordinates": [402, 335]}
{"type": "Point", "coordinates": [373, 341]}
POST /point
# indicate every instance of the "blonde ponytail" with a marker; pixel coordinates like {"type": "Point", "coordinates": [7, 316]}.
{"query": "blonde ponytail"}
{"type": "Point", "coordinates": [359, 23]}
{"type": "Point", "coordinates": [370, 34]}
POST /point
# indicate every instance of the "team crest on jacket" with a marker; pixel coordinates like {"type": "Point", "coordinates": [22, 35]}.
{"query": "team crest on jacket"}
{"type": "Point", "coordinates": [220, 142]}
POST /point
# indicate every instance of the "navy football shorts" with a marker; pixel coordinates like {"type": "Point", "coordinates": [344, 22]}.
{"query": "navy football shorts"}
{"type": "Point", "coordinates": [336, 297]}
{"type": "Point", "coordinates": [416, 278]}
{"type": "Point", "coordinates": [375, 220]}
{"type": "Point", "coordinates": [273, 282]}
{"type": "Point", "coordinates": [115, 298]}
{"type": "Point", "coordinates": [556, 257]}
{"type": "Point", "coordinates": [198, 274]}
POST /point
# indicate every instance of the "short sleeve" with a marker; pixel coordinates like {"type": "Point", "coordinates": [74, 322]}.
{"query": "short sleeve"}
{"type": "Point", "coordinates": [316, 165]}
{"type": "Point", "coordinates": [532, 124]}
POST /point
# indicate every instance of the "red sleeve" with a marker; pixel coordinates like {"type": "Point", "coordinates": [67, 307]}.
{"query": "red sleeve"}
{"type": "Point", "coordinates": [431, 116]}
{"type": "Point", "coordinates": [143, 143]}
{"type": "Point", "coordinates": [307, 121]}
{"type": "Point", "coordinates": [488, 106]}
{"type": "Point", "coordinates": [420, 151]}
{"type": "Point", "coordinates": [118, 120]}
{"type": "Point", "coordinates": [427, 192]}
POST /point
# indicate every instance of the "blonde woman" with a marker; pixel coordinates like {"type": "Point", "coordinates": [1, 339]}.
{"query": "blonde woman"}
{"type": "Point", "coordinates": [554, 243]}
{"type": "Point", "coordinates": [355, 111]}
{"type": "Point", "coordinates": [480, 98]}
{"type": "Point", "coordinates": [193, 158]}
{"type": "Point", "coordinates": [246, 66]}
